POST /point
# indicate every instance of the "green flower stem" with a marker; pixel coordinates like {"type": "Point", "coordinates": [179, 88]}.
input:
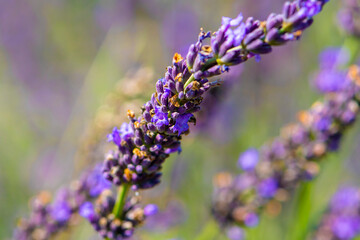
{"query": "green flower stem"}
{"type": "Point", "coordinates": [302, 214]}
{"type": "Point", "coordinates": [120, 201]}
{"type": "Point", "coordinates": [190, 80]}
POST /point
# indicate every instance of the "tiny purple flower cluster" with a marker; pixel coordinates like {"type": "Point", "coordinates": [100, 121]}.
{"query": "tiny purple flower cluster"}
{"type": "Point", "coordinates": [145, 142]}
{"type": "Point", "coordinates": [342, 220]}
{"type": "Point", "coordinates": [47, 218]}
{"type": "Point", "coordinates": [273, 172]}
{"type": "Point", "coordinates": [103, 220]}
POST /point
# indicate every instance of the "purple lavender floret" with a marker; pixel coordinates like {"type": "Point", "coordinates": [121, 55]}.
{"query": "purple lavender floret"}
{"type": "Point", "coordinates": [342, 219]}
{"type": "Point", "coordinates": [160, 118]}
{"type": "Point", "coordinates": [124, 133]}
{"type": "Point", "coordinates": [157, 132]}
{"type": "Point", "coordinates": [114, 136]}
{"type": "Point", "coordinates": [181, 124]}
{"type": "Point", "coordinates": [312, 7]}
{"type": "Point", "coordinates": [291, 158]}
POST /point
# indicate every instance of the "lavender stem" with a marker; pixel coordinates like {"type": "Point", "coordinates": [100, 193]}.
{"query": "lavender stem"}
{"type": "Point", "coordinates": [120, 201]}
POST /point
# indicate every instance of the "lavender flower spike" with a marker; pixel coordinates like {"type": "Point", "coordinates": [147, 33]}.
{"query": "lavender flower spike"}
{"type": "Point", "coordinates": [289, 159]}
{"type": "Point", "coordinates": [157, 132]}
{"type": "Point", "coordinates": [48, 218]}
{"type": "Point", "coordinates": [342, 219]}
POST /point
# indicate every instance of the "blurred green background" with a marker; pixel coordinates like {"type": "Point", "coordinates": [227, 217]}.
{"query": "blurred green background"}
{"type": "Point", "coordinates": [59, 59]}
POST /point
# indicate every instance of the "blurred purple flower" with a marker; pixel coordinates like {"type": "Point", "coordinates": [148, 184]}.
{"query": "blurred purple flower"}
{"type": "Point", "coordinates": [251, 220]}
{"type": "Point", "coordinates": [96, 182]}
{"type": "Point", "coordinates": [346, 227]}
{"type": "Point", "coordinates": [235, 233]}
{"type": "Point", "coordinates": [61, 211]}
{"type": "Point", "coordinates": [87, 210]}
{"type": "Point", "coordinates": [329, 78]}
{"type": "Point", "coordinates": [268, 187]}
{"type": "Point", "coordinates": [248, 159]}
{"type": "Point", "coordinates": [347, 198]}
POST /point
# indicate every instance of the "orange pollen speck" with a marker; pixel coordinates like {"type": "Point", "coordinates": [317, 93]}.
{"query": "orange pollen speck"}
{"type": "Point", "coordinates": [136, 124]}
{"type": "Point", "coordinates": [304, 117]}
{"type": "Point", "coordinates": [177, 57]}
{"type": "Point", "coordinates": [206, 48]}
{"type": "Point", "coordinates": [297, 33]}
{"type": "Point", "coordinates": [130, 114]}
{"type": "Point", "coordinates": [178, 77]}
{"type": "Point", "coordinates": [222, 179]}
{"type": "Point", "coordinates": [354, 74]}
{"type": "Point", "coordinates": [128, 174]}
{"type": "Point", "coordinates": [263, 24]}
{"type": "Point", "coordinates": [136, 151]}
{"type": "Point", "coordinates": [196, 85]}
{"type": "Point", "coordinates": [44, 197]}
{"type": "Point", "coordinates": [174, 101]}
{"type": "Point", "coordinates": [143, 154]}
